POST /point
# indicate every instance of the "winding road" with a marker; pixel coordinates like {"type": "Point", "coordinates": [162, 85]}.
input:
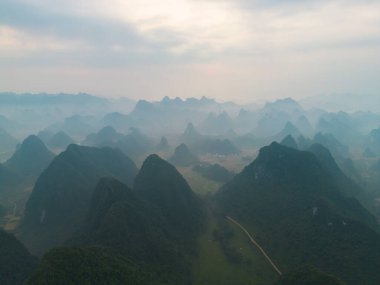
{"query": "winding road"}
{"type": "Point", "coordinates": [256, 244]}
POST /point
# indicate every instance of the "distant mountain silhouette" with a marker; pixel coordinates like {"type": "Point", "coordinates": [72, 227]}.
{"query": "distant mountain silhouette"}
{"type": "Point", "coordinates": [163, 144]}
{"type": "Point", "coordinates": [191, 135]}
{"type": "Point", "coordinates": [135, 144]}
{"type": "Point", "coordinates": [16, 263]}
{"type": "Point", "coordinates": [31, 158]}
{"type": "Point", "coordinates": [60, 199]}
{"type": "Point", "coordinates": [303, 124]}
{"type": "Point", "coordinates": [7, 142]}
{"type": "Point", "coordinates": [7, 124]}
{"type": "Point", "coordinates": [337, 149]}
{"type": "Point", "coordinates": [118, 121]}
{"type": "Point", "coordinates": [144, 108]}
{"type": "Point", "coordinates": [9, 98]}
{"type": "Point", "coordinates": [105, 136]}
{"type": "Point", "coordinates": [182, 156]}
{"type": "Point", "coordinates": [214, 172]}
{"type": "Point", "coordinates": [217, 124]}
{"type": "Point", "coordinates": [60, 140]}
{"type": "Point", "coordinates": [297, 211]}
{"type": "Point", "coordinates": [77, 126]}
{"type": "Point", "coordinates": [289, 142]}
{"type": "Point", "coordinates": [342, 125]}
{"type": "Point", "coordinates": [303, 142]}
{"type": "Point", "coordinates": [287, 105]}
{"type": "Point", "coordinates": [45, 135]}
{"type": "Point", "coordinates": [289, 129]}
{"type": "Point", "coordinates": [155, 117]}
{"type": "Point", "coordinates": [273, 116]}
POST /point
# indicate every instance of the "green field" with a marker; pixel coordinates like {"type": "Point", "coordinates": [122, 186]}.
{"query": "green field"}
{"type": "Point", "coordinates": [213, 267]}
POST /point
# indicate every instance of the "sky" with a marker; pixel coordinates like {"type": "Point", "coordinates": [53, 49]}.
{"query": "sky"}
{"type": "Point", "coordinates": [241, 50]}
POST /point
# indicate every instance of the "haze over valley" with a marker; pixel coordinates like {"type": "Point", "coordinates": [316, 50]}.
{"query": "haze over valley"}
{"type": "Point", "coordinates": [187, 191]}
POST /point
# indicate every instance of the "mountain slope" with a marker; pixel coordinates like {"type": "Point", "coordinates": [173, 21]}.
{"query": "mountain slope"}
{"type": "Point", "coordinates": [122, 221]}
{"type": "Point", "coordinates": [296, 210]}
{"type": "Point", "coordinates": [16, 263]}
{"type": "Point", "coordinates": [159, 183]}
{"type": "Point", "coordinates": [8, 178]}
{"type": "Point", "coordinates": [104, 136]}
{"type": "Point", "coordinates": [214, 172]}
{"type": "Point", "coordinates": [61, 196]}
{"type": "Point", "coordinates": [289, 129]}
{"type": "Point", "coordinates": [76, 265]}
{"type": "Point", "coordinates": [7, 142]}
{"type": "Point", "coordinates": [182, 156]}
{"type": "Point", "coordinates": [308, 275]}
{"type": "Point", "coordinates": [60, 140]}
{"type": "Point", "coordinates": [31, 158]}
{"type": "Point", "coordinates": [289, 141]}
{"type": "Point", "coordinates": [163, 144]}
{"type": "Point", "coordinates": [326, 159]}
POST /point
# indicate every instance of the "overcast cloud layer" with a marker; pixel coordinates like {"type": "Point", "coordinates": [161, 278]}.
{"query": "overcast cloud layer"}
{"type": "Point", "coordinates": [226, 49]}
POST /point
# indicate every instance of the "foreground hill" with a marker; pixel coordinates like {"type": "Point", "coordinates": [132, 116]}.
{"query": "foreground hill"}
{"type": "Point", "coordinates": [118, 219]}
{"type": "Point", "coordinates": [308, 275]}
{"type": "Point", "coordinates": [76, 265]}
{"type": "Point", "coordinates": [61, 196]}
{"type": "Point", "coordinates": [155, 225]}
{"type": "Point", "coordinates": [298, 213]}
{"type": "Point", "coordinates": [159, 183]}
{"type": "Point", "coordinates": [121, 222]}
{"type": "Point", "coordinates": [16, 263]}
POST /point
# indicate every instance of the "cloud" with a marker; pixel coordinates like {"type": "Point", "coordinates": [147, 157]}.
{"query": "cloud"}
{"type": "Point", "coordinates": [176, 27]}
{"type": "Point", "coordinates": [35, 34]}
{"type": "Point", "coordinates": [246, 44]}
{"type": "Point", "coordinates": [203, 29]}
{"type": "Point", "coordinates": [36, 21]}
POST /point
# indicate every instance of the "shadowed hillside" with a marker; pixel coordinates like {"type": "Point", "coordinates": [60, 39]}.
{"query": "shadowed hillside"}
{"type": "Point", "coordinates": [297, 211]}
{"type": "Point", "coordinates": [60, 198]}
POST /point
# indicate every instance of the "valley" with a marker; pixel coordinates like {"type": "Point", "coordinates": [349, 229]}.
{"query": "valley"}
{"type": "Point", "coordinates": [208, 201]}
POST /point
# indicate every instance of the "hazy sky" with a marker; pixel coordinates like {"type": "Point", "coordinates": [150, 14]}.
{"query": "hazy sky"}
{"type": "Point", "coordinates": [226, 49]}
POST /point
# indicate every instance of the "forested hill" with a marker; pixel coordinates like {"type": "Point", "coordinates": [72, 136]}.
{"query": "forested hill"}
{"type": "Point", "coordinates": [60, 199]}
{"type": "Point", "coordinates": [300, 215]}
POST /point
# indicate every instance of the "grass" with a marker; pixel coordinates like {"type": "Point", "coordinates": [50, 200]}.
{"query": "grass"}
{"type": "Point", "coordinates": [262, 267]}
{"type": "Point", "coordinates": [212, 267]}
